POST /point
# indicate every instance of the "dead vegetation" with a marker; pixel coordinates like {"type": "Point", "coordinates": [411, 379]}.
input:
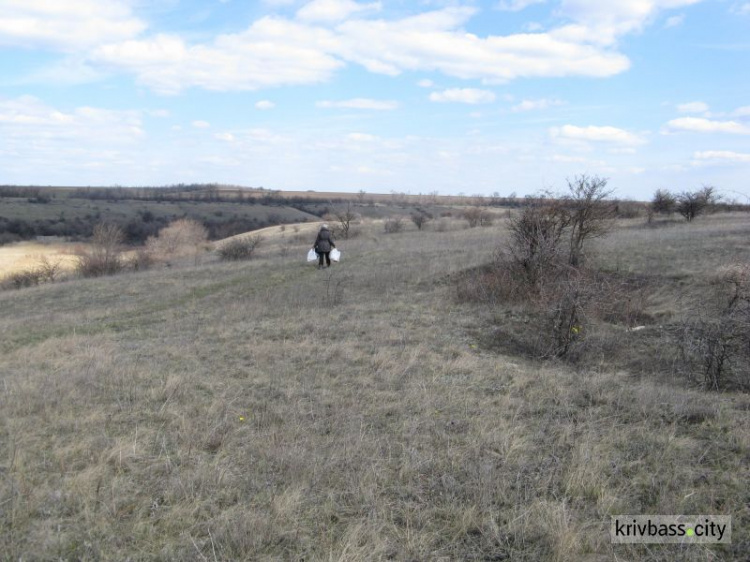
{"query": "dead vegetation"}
{"type": "Point", "coordinates": [263, 410]}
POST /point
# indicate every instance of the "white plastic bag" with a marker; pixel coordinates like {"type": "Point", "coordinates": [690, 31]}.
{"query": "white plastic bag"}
{"type": "Point", "coordinates": [335, 255]}
{"type": "Point", "coordinates": [312, 255]}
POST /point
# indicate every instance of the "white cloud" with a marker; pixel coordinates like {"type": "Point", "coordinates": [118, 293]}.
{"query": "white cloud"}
{"type": "Point", "coordinates": [741, 9]}
{"type": "Point", "coordinates": [463, 95]}
{"type": "Point", "coordinates": [437, 41]}
{"type": "Point", "coordinates": [360, 103]}
{"type": "Point", "coordinates": [271, 52]}
{"type": "Point", "coordinates": [611, 135]}
{"type": "Point", "coordinates": [701, 125]}
{"type": "Point", "coordinates": [530, 105]}
{"type": "Point", "coordinates": [674, 21]}
{"type": "Point", "coordinates": [66, 26]}
{"type": "Point", "coordinates": [201, 124]}
{"type": "Point", "coordinates": [604, 22]}
{"type": "Point", "coordinates": [334, 10]}
{"type": "Point", "coordinates": [742, 111]}
{"type": "Point", "coordinates": [227, 137]}
{"type": "Point", "coordinates": [692, 107]}
{"type": "Point", "coordinates": [265, 105]}
{"type": "Point", "coordinates": [276, 51]}
{"type": "Point", "coordinates": [718, 156]}
{"type": "Point", "coordinates": [426, 83]}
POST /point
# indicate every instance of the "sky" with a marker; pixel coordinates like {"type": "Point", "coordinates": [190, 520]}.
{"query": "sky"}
{"type": "Point", "coordinates": [454, 97]}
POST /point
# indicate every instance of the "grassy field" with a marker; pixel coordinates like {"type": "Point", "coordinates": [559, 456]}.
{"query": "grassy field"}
{"type": "Point", "coordinates": [269, 411]}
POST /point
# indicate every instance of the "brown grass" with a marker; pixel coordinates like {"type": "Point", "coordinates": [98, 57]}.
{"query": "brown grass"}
{"type": "Point", "coordinates": [226, 412]}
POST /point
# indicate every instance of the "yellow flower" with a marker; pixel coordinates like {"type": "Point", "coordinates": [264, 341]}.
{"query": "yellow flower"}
{"type": "Point", "coordinates": [242, 418]}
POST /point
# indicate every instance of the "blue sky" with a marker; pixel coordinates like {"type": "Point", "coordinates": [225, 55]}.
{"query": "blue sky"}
{"type": "Point", "coordinates": [422, 96]}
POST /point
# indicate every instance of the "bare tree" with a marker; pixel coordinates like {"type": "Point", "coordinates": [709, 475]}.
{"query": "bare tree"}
{"type": "Point", "coordinates": [345, 217]}
{"type": "Point", "coordinates": [590, 212]}
{"type": "Point", "coordinates": [663, 202]}
{"type": "Point", "coordinates": [691, 204]}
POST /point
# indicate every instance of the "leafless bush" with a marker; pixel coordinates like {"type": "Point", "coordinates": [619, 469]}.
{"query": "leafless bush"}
{"type": "Point", "coordinates": [535, 241]}
{"type": "Point", "coordinates": [473, 216]}
{"type": "Point", "coordinates": [241, 248]}
{"type": "Point", "coordinates": [346, 217]}
{"type": "Point", "coordinates": [183, 237]}
{"type": "Point", "coordinates": [393, 225]}
{"type": "Point", "coordinates": [103, 257]}
{"type": "Point", "coordinates": [691, 204]}
{"type": "Point", "coordinates": [22, 279]}
{"type": "Point", "coordinates": [715, 342]}
{"type": "Point", "coordinates": [663, 202]}
{"type": "Point", "coordinates": [420, 218]}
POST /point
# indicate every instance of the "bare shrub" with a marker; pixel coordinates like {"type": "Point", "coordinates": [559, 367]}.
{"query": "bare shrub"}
{"type": "Point", "coordinates": [420, 218]}
{"type": "Point", "coordinates": [23, 279]}
{"type": "Point", "coordinates": [393, 225]}
{"type": "Point", "coordinates": [535, 241]}
{"type": "Point", "coordinates": [663, 202]}
{"type": "Point", "coordinates": [473, 216]}
{"type": "Point", "coordinates": [715, 341]}
{"type": "Point", "coordinates": [241, 248]}
{"type": "Point", "coordinates": [590, 213]}
{"type": "Point", "coordinates": [103, 257]}
{"type": "Point", "coordinates": [181, 238]}
{"type": "Point", "coordinates": [691, 204]}
{"type": "Point", "coordinates": [346, 217]}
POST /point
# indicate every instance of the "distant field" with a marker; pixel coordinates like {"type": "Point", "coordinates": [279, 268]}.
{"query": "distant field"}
{"type": "Point", "coordinates": [22, 256]}
{"type": "Point", "coordinates": [266, 410]}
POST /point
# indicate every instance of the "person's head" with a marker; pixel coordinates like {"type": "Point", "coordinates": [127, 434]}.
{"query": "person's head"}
{"type": "Point", "coordinates": [324, 227]}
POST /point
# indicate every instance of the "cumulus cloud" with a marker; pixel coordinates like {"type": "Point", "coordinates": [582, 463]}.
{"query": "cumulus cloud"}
{"type": "Point", "coordinates": [359, 103]}
{"type": "Point", "coordinates": [692, 107]}
{"type": "Point", "coordinates": [265, 105]}
{"type": "Point", "coordinates": [611, 135]}
{"type": "Point", "coordinates": [701, 125]}
{"type": "Point", "coordinates": [326, 35]}
{"type": "Point", "coordinates": [277, 51]}
{"type": "Point", "coordinates": [201, 124]}
{"type": "Point", "coordinates": [272, 52]}
{"type": "Point", "coordinates": [66, 26]}
{"type": "Point", "coordinates": [463, 95]}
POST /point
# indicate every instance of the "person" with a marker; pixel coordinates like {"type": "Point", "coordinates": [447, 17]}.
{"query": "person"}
{"type": "Point", "coordinates": [323, 244]}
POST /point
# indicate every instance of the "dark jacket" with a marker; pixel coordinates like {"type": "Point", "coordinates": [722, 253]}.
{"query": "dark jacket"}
{"type": "Point", "coordinates": [324, 241]}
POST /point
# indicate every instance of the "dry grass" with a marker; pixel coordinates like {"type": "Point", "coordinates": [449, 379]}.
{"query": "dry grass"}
{"type": "Point", "coordinates": [22, 256]}
{"type": "Point", "coordinates": [229, 412]}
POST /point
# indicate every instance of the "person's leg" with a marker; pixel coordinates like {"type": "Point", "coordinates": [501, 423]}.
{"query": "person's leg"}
{"type": "Point", "coordinates": [320, 260]}
{"type": "Point", "coordinates": [328, 259]}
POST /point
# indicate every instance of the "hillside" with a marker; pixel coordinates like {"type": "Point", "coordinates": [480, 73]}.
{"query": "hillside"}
{"type": "Point", "coordinates": [266, 410]}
